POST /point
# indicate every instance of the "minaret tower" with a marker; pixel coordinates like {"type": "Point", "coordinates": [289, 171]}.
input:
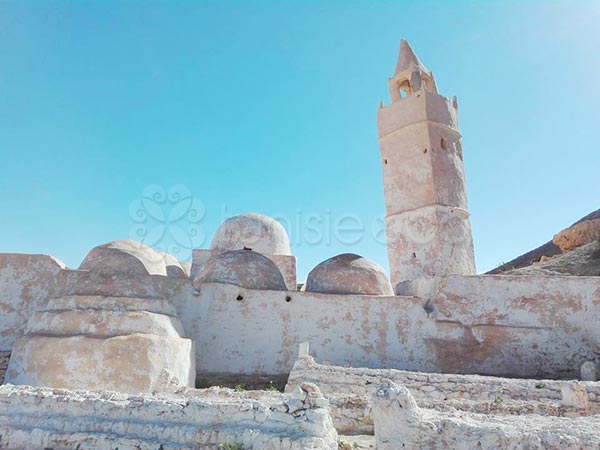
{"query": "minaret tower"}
{"type": "Point", "coordinates": [427, 223]}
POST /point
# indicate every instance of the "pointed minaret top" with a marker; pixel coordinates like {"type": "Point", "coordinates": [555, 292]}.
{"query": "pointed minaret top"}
{"type": "Point", "coordinates": [406, 57]}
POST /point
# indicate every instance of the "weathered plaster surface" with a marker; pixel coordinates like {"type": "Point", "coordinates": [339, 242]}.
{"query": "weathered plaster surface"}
{"type": "Point", "coordinates": [527, 326]}
{"type": "Point", "coordinates": [244, 268]}
{"type": "Point", "coordinates": [251, 231]}
{"type": "Point", "coordinates": [427, 224]}
{"type": "Point", "coordinates": [131, 258]}
{"type": "Point", "coordinates": [26, 283]}
{"type": "Point", "coordinates": [261, 331]}
{"type": "Point", "coordinates": [285, 263]}
{"type": "Point", "coordinates": [497, 325]}
{"type": "Point", "coordinates": [348, 274]}
{"type": "Point", "coordinates": [92, 341]}
{"type": "Point", "coordinates": [418, 243]}
{"type": "Point", "coordinates": [127, 363]}
{"type": "Point", "coordinates": [188, 418]}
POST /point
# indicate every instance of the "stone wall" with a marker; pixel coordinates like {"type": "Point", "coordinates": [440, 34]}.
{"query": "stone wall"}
{"type": "Point", "coordinates": [260, 332]}
{"type": "Point", "coordinates": [524, 326]}
{"type": "Point", "coordinates": [349, 391]}
{"type": "Point", "coordinates": [26, 283]}
{"type": "Point", "coordinates": [529, 327]}
{"type": "Point", "coordinates": [188, 418]}
{"type": "Point", "coordinates": [400, 422]}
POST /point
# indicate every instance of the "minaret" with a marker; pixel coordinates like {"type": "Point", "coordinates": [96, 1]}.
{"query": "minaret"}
{"type": "Point", "coordinates": [427, 223]}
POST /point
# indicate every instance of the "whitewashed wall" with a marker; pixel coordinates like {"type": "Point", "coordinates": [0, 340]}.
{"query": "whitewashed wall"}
{"type": "Point", "coordinates": [497, 325]}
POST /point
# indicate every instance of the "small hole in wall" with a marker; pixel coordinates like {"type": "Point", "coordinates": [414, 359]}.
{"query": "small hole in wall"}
{"type": "Point", "coordinates": [425, 151]}
{"type": "Point", "coordinates": [385, 161]}
{"type": "Point", "coordinates": [247, 248]}
{"type": "Point", "coordinates": [288, 298]}
{"type": "Point", "coordinates": [414, 255]}
{"type": "Point", "coordinates": [444, 144]}
{"type": "Point", "coordinates": [239, 298]}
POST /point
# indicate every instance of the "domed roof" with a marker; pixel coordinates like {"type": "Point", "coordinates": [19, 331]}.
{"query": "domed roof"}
{"type": "Point", "coordinates": [131, 258]}
{"type": "Point", "coordinates": [125, 257]}
{"type": "Point", "coordinates": [256, 232]}
{"type": "Point", "coordinates": [349, 274]}
{"type": "Point", "coordinates": [243, 268]}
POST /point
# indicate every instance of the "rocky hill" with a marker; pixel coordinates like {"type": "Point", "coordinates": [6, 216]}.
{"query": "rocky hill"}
{"type": "Point", "coordinates": [573, 251]}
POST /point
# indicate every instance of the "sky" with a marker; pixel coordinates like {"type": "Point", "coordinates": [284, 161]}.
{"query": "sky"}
{"type": "Point", "coordinates": [158, 120]}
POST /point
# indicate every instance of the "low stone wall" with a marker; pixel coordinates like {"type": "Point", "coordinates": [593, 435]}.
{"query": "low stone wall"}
{"type": "Point", "coordinates": [400, 422]}
{"type": "Point", "coordinates": [349, 391]}
{"type": "Point", "coordinates": [199, 419]}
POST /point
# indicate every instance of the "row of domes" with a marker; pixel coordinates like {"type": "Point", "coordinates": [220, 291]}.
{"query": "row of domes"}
{"type": "Point", "coordinates": [241, 244]}
{"type": "Point", "coordinates": [343, 274]}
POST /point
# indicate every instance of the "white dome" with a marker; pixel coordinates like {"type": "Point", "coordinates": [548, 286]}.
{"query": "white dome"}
{"type": "Point", "coordinates": [243, 268]}
{"type": "Point", "coordinates": [349, 274]}
{"type": "Point", "coordinates": [255, 232]}
{"type": "Point", "coordinates": [131, 258]}
{"type": "Point", "coordinates": [125, 257]}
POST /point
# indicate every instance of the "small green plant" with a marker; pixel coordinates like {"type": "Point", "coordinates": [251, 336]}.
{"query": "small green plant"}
{"type": "Point", "coordinates": [239, 388]}
{"type": "Point", "coordinates": [271, 387]}
{"type": "Point", "coordinates": [498, 399]}
{"type": "Point", "coordinates": [540, 385]}
{"type": "Point", "coordinates": [233, 446]}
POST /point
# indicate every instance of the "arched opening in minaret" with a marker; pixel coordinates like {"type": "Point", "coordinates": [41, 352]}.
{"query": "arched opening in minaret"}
{"type": "Point", "coordinates": [404, 88]}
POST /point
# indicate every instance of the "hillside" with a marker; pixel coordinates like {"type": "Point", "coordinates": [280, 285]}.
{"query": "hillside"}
{"type": "Point", "coordinates": [574, 251]}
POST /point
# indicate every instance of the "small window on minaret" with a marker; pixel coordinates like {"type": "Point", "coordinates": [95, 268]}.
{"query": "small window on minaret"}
{"type": "Point", "coordinates": [444, 144]}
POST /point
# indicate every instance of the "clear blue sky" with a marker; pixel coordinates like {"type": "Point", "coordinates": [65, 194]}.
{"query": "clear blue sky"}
{"type": "Point", "coordinates": [271, 107]}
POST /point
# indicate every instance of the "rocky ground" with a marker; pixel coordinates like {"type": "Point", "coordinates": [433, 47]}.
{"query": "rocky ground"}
{"type": "Point", "coordinates": [358, 442]}
{"type": "Point", "coordinates": [574, 251]}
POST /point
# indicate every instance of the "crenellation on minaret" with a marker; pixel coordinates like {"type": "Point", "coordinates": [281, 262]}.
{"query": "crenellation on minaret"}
{"type": "Point", "coordinates": [427, 220]}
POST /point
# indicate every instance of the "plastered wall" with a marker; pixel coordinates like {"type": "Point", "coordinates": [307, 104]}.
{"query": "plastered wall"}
{"type": "Point", "coordinates": [496, 325]}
